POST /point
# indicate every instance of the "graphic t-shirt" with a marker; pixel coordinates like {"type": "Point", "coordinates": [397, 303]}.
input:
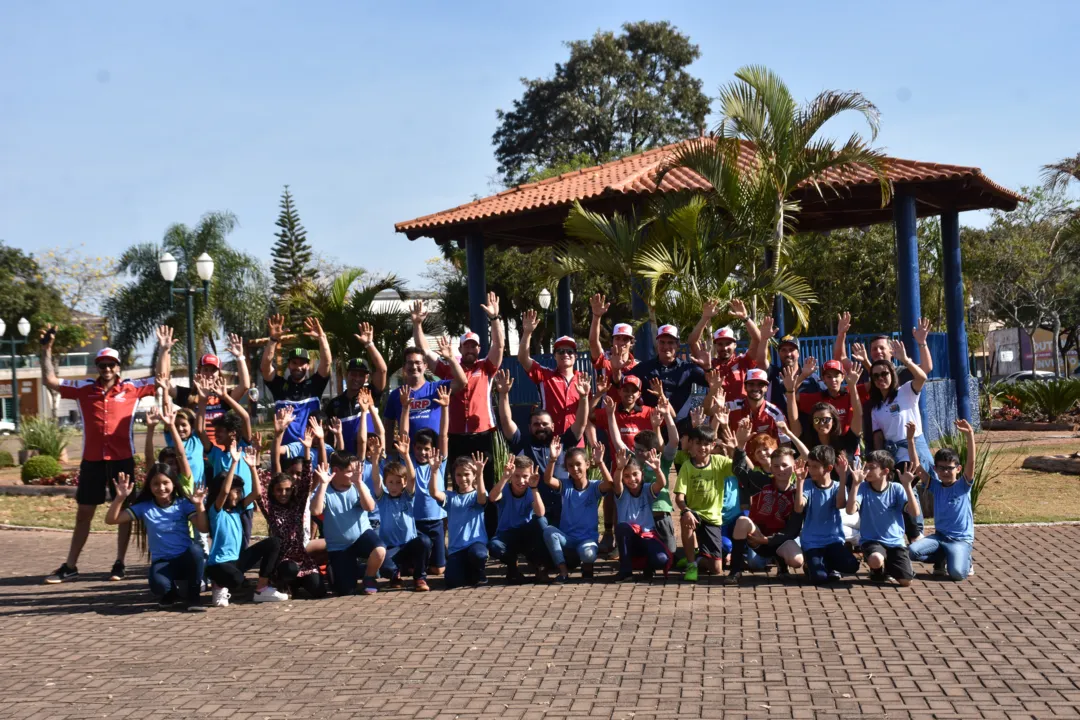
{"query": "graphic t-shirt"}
{"type": "Point", "coordinates": [704, 487]}
{"type": "Point", "coordinates": [424, 412]}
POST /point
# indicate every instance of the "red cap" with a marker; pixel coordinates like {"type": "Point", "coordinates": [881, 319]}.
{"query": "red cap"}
{"type": "Point", "coordinates": [757, 375]}
{"type": "Point", "coordinates": [210, 359]}
{"type": "Point", "coordinates": [632, 379]}
{"type": "Point", "coordinates": [566, 341]}
{"type": "Point", "coordinates": [834, 365]}
{"type": "Point", "coordinates": [724, 334]}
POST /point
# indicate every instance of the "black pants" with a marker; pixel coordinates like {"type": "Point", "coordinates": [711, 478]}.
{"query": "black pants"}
{"type": "Point", "coordinates": [312, 583]}
{"type": "Point", "coordinates": [465, 444]}
{"type": "Point", "coordinates": [230, 575]}
{"type": "Point", "coordinates": [246, 519]}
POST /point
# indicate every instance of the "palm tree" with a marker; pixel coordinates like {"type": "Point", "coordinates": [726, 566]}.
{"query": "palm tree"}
{"type": "Point", "coordinates": [239, 290]}
{"type": "Point", "coordinates": [1057, 176]}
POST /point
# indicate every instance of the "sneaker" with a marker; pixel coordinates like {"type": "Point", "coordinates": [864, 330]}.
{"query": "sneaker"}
{"type": "Point", "coordinates": [168, 599]}
{"type": "Point", "coordinates": [622, 577]}
{"type": "Point", "coordinates": [117, 573]}
{"type": "Point", "coordinates": [269, 594]}
{"type": "Point", "coordinates": [194, 608]}
{"type": "Point", "coordinates": [691, 573]}
{"type": "Point", "coordinates": [680, 564]}
{"type": "Point", "coordinates": [561, 579]}
{"type": "Point", "coordinates": [607, 544]}
{"type": "Point", "coordinates": [204, 586]}
{"type": "Point", "coordinates": [834, 575]}
{"type": "Point", "coordinates": [219, 597]}
{"type": "Point", "coordinates": [62, 574]}
{"type": "Point", "coordinates": [732, 578]}
{"type": "Point", "coordinates": [877, 575]}
{"type": "Point", "coordinates": [940, 569]}
{"type": "Point", "coordinates": [370, 586]}
{"type": "Point", "coordinates": [420, 585]}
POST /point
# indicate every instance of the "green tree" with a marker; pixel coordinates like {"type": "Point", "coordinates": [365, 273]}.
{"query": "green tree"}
{"type": "Point", "coordinates": [25, 293]}
{"type": "Point", "coordinates": [292, 261]}
{"type": "Point", "coordinates": [1058, 176]}
{"type": "Point", "coordinates": [615, 95]}
{"type": "Point", "coordinates": [239, 290]}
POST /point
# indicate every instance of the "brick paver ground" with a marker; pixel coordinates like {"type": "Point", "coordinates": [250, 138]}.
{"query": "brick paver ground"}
{"type": "Point", "coordinates": [1003, 644]}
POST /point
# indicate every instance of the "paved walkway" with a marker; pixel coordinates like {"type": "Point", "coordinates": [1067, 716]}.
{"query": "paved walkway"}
{"type": "Point", "coordinates": [1003, 644]}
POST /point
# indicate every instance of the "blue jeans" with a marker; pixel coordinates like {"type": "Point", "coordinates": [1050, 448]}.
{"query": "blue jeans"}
{"type": "Point", "coordinates": [956, 553]}
{"type": "Point", "coordinates": [435, 532]}
{"type": "Point", "coordinates": [413, 555]}
{"type": "Point", "coordinates": [466, 567]}
{"type": "Point", "coordinates": [632, 545]}
{"type": "Point", "coordinates": [343, 563]}
{"type": "Point", "coordinates": [527, 539]}
{"type": "Point", "coordinates": [831, 558]}
{"type": "Point", "coordinates": [164, 573]}
{"type": "Point", "coordinates": [583, 553]}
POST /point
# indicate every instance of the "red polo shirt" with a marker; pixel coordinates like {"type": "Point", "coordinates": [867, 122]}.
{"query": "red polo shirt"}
{"type": "Point", "coordinates": [470, 407]}
{"type": "Point", "coordinates": [763, 420]}
{"type": "Point", "coordinates": [108, 430]}
{"type": "Point", "coordinates": [733, 373]}
{"type": "Point", "coordinates": [557, 395]}
{"type": "Point", "coordinates": [841, 403]}
{"type": "Point", "coordinates": [602, 366]}
{"type": "Point", "coordinates": [630, 423]}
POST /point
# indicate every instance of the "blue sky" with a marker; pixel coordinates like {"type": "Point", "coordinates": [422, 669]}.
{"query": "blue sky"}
{"type": "Point", "coordinates": [119, 118]}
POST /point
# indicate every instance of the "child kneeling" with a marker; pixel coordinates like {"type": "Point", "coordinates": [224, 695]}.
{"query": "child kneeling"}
{"type": "Point", "coordinates": [881, 505]}
{"type": "Point", "coordinates": [822, 540]}
{"type": "Point", "coordinates": [635, 532]}
{"type": "Point", "coordinates": [576, 538]}
{"type": "Point", "coordinates": [521, 520]}
{"type": "Point", "coordinates": [466, 560]}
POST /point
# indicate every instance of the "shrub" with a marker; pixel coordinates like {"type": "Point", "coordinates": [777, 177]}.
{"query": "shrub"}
{"type": "Point", "coordinates": [40, 466]}
{"type": "Point", "coordinates": [44, 435]}
{"type": "Point", "coordinates": [6, 460]}
{"type": "Point", "coordinates": [1051, 398]}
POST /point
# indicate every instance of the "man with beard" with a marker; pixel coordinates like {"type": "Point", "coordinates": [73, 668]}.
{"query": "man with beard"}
{"type": "Point", "coordinates": [788, 354]}
{"type": "Point", "coordinates": [764, 416]}
{"type": "Point", "coordinates": [622, 342]}
{"type": "Point", "coordinates": [731, 366]}
{"type": "Point", "coordinates": [424, 412]}
{"type": "Point", "coordinates": [676, 376]}
{"type": "Point", "coordinates": [558, 387]}
{"type": "Point", "coordinates": [537, 444]}
{"type": "Point", "coordinates": [880, 349]}
{"type": "Point", "coordinates": [209, 369]}
{"type": "Point", "coordinates": [472, 423]}
{"type": "Point", "coordinates": [296, 389]}
{"type": "Point", "coordinates": [357, 375]}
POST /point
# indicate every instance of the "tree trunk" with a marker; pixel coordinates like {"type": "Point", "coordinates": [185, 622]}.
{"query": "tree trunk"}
{"type": "Point", "coordinates": [1054, 345]}
{"type": "Point", "coordinates": [778, 237]}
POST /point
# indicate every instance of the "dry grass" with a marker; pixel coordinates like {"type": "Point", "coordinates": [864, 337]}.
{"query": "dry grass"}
{"type": "Point", "coordinates": [1018, 495]}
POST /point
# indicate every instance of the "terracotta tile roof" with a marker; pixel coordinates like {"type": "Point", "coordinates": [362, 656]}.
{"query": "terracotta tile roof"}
{"type": "Point", "coordinates": [636, 175]}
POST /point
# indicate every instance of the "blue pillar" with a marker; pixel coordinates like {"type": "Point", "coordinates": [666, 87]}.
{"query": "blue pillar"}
{"type": "Point", "coordinates": [907, 268]}
{"type": "Point", "coordinates": [477, 283]}
{"type": "Point", "coordinates": [644, 346]}
{"type": "Point", "coordinates": [564, 316]}
{"type": "Point", "coordinates": [954, 311]}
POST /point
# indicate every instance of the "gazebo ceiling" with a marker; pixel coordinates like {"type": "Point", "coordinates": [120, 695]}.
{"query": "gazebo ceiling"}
{"type": "Point", "coordinates": [533, 214]}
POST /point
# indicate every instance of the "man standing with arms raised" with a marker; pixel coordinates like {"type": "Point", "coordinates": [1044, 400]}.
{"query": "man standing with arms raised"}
{"type": "Point", "coordinates": [676, 376]}
{"type": "Point", "coordinates": [107, 406]}
{"type": "Point", "coordinates": [357, 377]}
{"type": "Point", "coordinates": [424, 412]}
{"type": "Point", "coordinates": [296, 389]}
{"type": "Point", "coordinates": [725, 360]}
{"type": "Point", "coordinates": [558, 387]}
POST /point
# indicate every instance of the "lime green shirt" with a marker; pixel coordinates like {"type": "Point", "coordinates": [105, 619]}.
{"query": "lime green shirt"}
{"type": "Point", "coordinates": [704, 487]}
{"type": "Point", "coordinates": [663, 500]}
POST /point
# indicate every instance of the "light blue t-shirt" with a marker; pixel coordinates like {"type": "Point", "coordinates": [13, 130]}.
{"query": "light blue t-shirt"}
{"type": "Point", "coordinates": [167, 533]}
{"type": "Point", "coordinates": [881, 514]}
{"type": "Point", "coordinates": [193, 450]}
{"type": "Point", "coordinates": [822, 525]}
{"type": "Point", "coordinates": [221, 461]}
{"type": "Point", "coordinates": [636, 510]}
{"type": "Point", "coordinates": [514, 511]}
{"type": "Point", "coordinates": [396, 524]}
{"type": "Point", "coordinates": [466, 524]}
{"type": "Point", "coordinates": [952, 509]}
{"type": "Point", "coordinates": [226, 533]}
{"type": "Point", "coordinates": [365, 474]}
{"type": "Point", "coordinates": [732, 510]}
{"type": "Point", "coordinates": [579, 515]}
{"type": "Point", "coordinates": [424, 506]}
{"type": "Point", "coordinates": [344, 521]}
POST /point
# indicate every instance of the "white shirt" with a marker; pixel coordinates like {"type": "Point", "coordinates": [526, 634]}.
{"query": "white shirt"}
{"type": "Point", "coordinates": [891, 418]}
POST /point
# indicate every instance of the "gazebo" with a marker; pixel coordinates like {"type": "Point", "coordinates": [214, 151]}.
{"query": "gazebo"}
{"type": "Point", "coordinates": [532, 215]}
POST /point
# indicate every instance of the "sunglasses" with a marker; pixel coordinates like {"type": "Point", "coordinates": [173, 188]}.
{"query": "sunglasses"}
{"type": "Point", "coordinates": [945, 468]}
{"type": "Point", "coordinates": [112, 365]}
{"type": "Point", "coordinates": [565, 351]}
{"type": "Point", "coordinates": [822, 420]}
{"type": "Point", "coordinates": [880, 375]}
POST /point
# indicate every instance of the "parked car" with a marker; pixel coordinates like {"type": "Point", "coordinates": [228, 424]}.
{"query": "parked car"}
{"type": "Point", "coordinates": [7, 427]}
{"type": "Point", "coordinates": [1028, 375]}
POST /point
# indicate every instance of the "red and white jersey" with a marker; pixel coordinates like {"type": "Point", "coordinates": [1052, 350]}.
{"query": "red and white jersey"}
{"type": "Point", "coordinates": [557, 395]}
{"type": "Point", "coordinates": [108, 430]}
{"type": "Point", "coordinates": [763, 420]}
{"type": "Point", "coordinates": [602, 366]}
{"type": "Point", "coordinates": [733, 373]}
{"type": "Point", "coordinates": [841, 403]}
{"type": "Point", "coordinates": [470, 407]}
{"type": "Point", "coordinates": [630, 423]}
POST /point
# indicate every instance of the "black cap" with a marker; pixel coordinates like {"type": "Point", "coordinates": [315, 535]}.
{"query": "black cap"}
{"type": "Point", "coordinates": [357, 364]}
{"type": "Point", "coordinates": [299, 353]}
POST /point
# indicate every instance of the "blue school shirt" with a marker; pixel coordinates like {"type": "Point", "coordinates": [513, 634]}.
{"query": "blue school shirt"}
{"type": "Point", "coordinates": [365, 475]}
{"type": "Point", "coordinates": [298, 449]}
{"type": "Point", "coordinates": [466, 524]}
{"type": "Point", "coordinates": [514, 511]}
{"type": "Point", "coordinates": [226, 532]}
{"type": "Point", "coordinates": [396, 524]}
{"type": "Point", "coordinates": [221, 461]}
{"type": "Point", "coordinates": [636, 510]}
{"type": "Point", "coordinates": [881, 514]}
{"type": "Point", "coordinates": [424, 412]}
{"type": "Point", "coordinates": [424, 506]}
{"type": "Point", "coordinates": [344, 521]}
{"type": "Point", "coordinates": [822, 525]}
{"type": "Point", "coordinates": [167, 532]}
{"type": "Point", "coordinates": [732, 509]}
{"type": "Point", "coordinates": [193, 450]}
{"type": "Point", "coordinates": [579, 514]}
{"type": "Point", "coordinates": [952, 509]}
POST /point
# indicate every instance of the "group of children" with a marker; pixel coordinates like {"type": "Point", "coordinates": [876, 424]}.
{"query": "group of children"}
{"type": "Point", "coordinates": [341, 522]}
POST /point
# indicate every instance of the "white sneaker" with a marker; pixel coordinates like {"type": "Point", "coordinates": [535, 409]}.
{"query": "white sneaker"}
{"type": "Point", "coordinates": [204, 586]}
{"type": "Point", "coordinates": [220, 597]}
{"type": "Point", "coordinates": [269, 594]}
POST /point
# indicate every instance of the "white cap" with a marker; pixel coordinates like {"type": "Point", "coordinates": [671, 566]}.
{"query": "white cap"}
{"type": "Point", "coordinates": [669, 330]}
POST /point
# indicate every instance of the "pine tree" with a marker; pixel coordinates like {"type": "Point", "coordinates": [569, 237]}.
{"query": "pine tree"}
{"type": "Point", "coordinates": [291, 265]}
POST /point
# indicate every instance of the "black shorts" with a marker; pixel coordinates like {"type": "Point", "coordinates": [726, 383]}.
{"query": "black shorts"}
{"type": "Point", "coordinates": [95, 476]}
{"type": "Point", "coordinates": [710, 539]}
{"type": "Point", "coordinates": [897, 559]}
{"type": "Point", "coordinates": [765, 550]}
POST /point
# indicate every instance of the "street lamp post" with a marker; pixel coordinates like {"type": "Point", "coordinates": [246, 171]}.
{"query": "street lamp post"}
{"type": "Point", "coordinates": [544, 298]}
{"type": "Point", "coordinates": [23, 326]}
{"type": "Point", "coordinates": [204, 265]}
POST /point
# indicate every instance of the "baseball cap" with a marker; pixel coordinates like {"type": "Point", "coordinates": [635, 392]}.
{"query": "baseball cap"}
{"type": "Point", "coordinates": [757, 375]}
{"type": "Point", "coordinates": [622, 329]}
{"type": "Point", "coordinates": [470, 337]}
{"type": "Point", "coordinates": [107, 354]}
{"type": "Point", "coordinates": [300, 353]}
{"type": "Point", "coordinates": [834, 365]}
{"type": "Point", "coordinates": [632, 379]}
{"type": "Point", "coordinates": [669, 330]}
{"type": "Point", "coordinates": [357, 364]}
{"type": "Point", "coordinates": [210, 359]}
{"type": "Point", "coordinates": [789, 340]}
{"type": "Point", "coordinates": [566, 341]}
{"type": "Point", "coordinates": [724, 334]}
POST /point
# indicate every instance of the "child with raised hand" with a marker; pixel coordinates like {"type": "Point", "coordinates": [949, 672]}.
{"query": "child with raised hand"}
{"type": "Point", "coordinates": [521, 519]}
{"type": "Point", "coordinates": [575, 540]}
{"type": "Point", "coordinates": [397, 528]}
{"type": "Point", "coordinates": [699, 495]}
{"type": "Point", "coordinates": [228, 561]}
{"type": "Point", "coordinates": [162, 510]}
{"type": "Point", "coordinates": [881, 504]}
{"type": "Point", "coordinates": [233, 427]}
{"type": "Point", "coordinates": [344, 502]}
{"type": "Point", "coordinates": [635, 530]}
{"type": "Point", "coordinates": [465, 507]}
{"type": "Point", "coordinates": [370, 446]}
{"type": "Point", "coordinates": [954, 522]}
{"type": "Point", "coordinates": [427, 513]}
{"type": "Point", "coordinates": [822, 539]}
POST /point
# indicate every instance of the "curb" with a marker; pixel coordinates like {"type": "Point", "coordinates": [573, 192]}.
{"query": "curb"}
{"type": "Point", "coordinates": [35, 528]}
{"type": "Point", "coordinates": [38, 490]}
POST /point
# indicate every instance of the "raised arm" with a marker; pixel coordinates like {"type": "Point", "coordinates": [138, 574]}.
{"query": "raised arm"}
{"type": "Point", "coordinates": [503, 383]}
{"type": "Point", "coordinates": [852, 378]}
{"type": "Point", "coordinates": [800, 501]}
{"type": "Point", "coordinates": [605, 475]}
{"type": "Point", "coordinates": [479, 460]}
{"type": "Point", "coordinates": [737, 310]}
{"type": "Point", "coordinates": [367, 503]}
{"type": "Point", "coordinates": [839, 348]}
{"type": "Point", "coordinates": [791, 393]}
{"type": "Point", "coordinates": [783, 429]}
{"type": "Point", "coordinates": [918, 377]}
{"type": "Point", "coordinates": [322, 474]}
{"type": "Point", "coordinates": [115, 515]}
{"type": "Point", "coordinates": [495, 352]}
{"type": "Point", "coordinates": [442, 398]}
{"type": "Point", "coordinates": [251, 457]}
{"type": "Point", "coordinates": [841, 490]}
{"type": "Point", "coordinates": [555, 450]}
{"type": "Point", "coordinates": [857, 475]}
{"type": "Point", "coordinates": [153, 416]}
{"type": "Point", "coordinates": [969, 435]}
{"type": "Point", "coordinates": [500, 485]}
{"type": "Point", "coordinates": [366, 338]}
{"type": "Point", "coordinates": [203, 388]}
{"type": "Point", "coordinates": [652, 460]}
{"type": "Point", "coordinates": [277, 329]}
{"type": "Point", "coordinates": [599, 305]}
{"type": "Point", "coordinates": [418, 314]}
{"type": "Point", "coordinates": [708, 312]}
{"type": "Point", "coordinates": [234, 462]}
{"type": "Point", "coordinates": [919, 332]}
{"type": "Point", "coordinates": [583, 385]}
{"type": "Point", "coordinates": [622, 457]}
{"type": "Point", "coordinates": [376, 473]}
{"type": "Point", "coordinates": [457, 374]}
{"type": "Point", "coordinates": [537, 501]}
{"type": "Point", "coordinates": [766, 331]}
{"type": "Point", "coordinates": [405, 394]}
{"type": "Point", "coordinates": [313, 329]}
{"type": "Point", "coordinates": [528, 327]}
{"type": "Point", "coordinates": [169, 421]}
{"type": "Point", "coordinates": [912, 508]}
{"type": "Point", "coordinates": [163, 365]}
{"type": "Point", "coordinates": [236, 407]}
{"type": "Point", "coordinates": [48, 372]}
{"type": "Point", "coordinates": [282, 419]}
{"type": "Point", "coordinates": [243, 378]}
